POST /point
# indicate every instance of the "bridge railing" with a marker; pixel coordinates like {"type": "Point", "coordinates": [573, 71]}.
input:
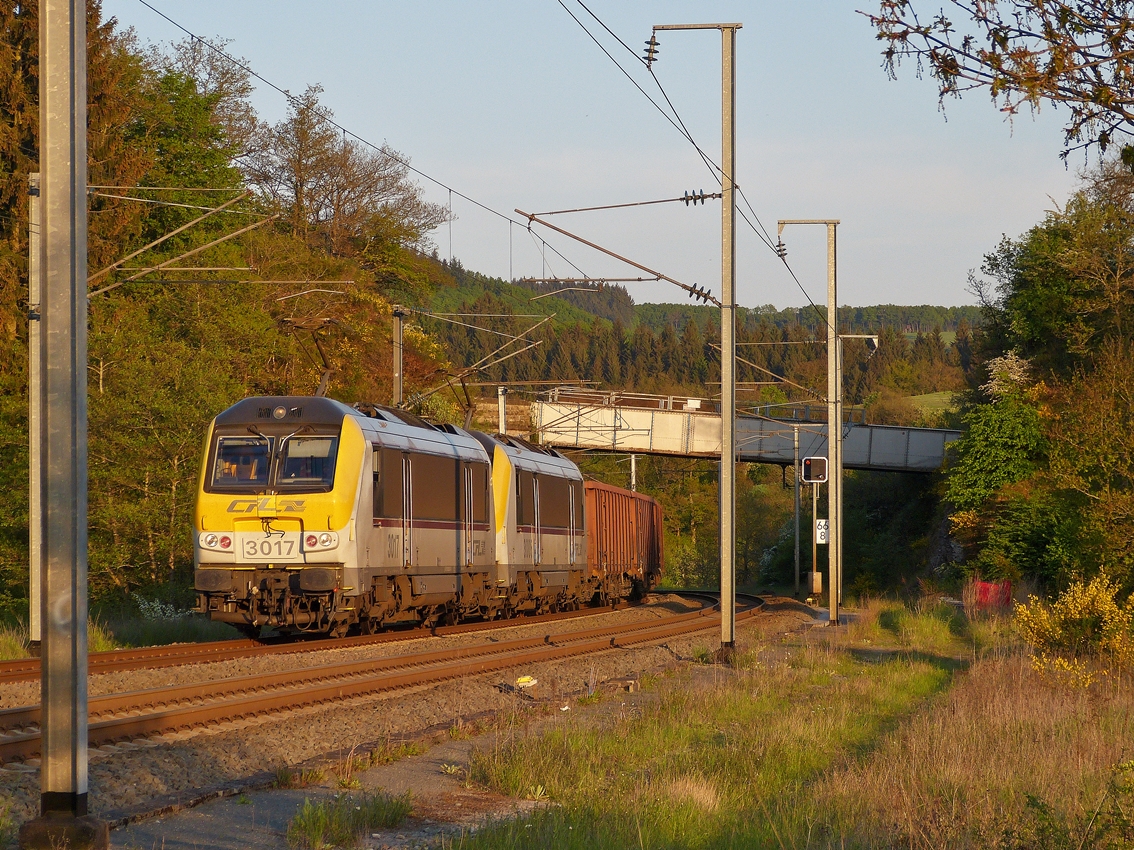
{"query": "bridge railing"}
{"type": "Point", "coordinates": [644, 424]}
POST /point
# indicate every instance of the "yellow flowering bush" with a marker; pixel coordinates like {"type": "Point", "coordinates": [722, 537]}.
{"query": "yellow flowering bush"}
{"type": "Point", "coordinates": [1085, 621]}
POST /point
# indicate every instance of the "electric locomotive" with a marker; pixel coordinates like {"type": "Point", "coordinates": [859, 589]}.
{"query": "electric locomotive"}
{"type": "Point", "coordinates": [313, 516]}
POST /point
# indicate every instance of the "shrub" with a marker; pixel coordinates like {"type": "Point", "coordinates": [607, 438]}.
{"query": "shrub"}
{"type": "Point", "coordinates": [13, 642]}
{"type": "Point", "coordinates": [1086, 621]}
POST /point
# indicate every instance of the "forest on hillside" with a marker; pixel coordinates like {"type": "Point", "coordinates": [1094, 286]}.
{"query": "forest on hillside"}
{"type": "Point", "coordinates": [779, 360]}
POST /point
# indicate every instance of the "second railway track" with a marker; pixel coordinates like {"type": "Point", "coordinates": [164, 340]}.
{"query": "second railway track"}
{"type": "Point", "coordinates": [156, 711]}
{"type": "Point", "coordinates": [147, 657]}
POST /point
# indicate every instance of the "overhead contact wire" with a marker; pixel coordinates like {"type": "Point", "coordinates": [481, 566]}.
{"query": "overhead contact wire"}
{"type": "Point", "coordinates": [679, 124]}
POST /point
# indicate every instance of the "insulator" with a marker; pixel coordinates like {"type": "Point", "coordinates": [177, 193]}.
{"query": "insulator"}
{"type": "Point", "coordinates": [781, 249]}
{"type": "Point", "coordinates": [651, 53]}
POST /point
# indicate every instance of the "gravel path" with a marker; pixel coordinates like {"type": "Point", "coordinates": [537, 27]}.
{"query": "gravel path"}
{"type": "Point", "coordinates": [131, 777]}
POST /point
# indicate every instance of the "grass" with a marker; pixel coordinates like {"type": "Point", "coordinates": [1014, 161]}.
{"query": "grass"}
{"type": "Point", "coordinates": [933, 402]}
{"type": "Point", "coordinates": [137, 631]}
{"type": "Point", "coordinates": [391, 752]}
{"type": "Point", "coordinates": [119, 631]}
{"type": "Point", "coordinates": [7, 824]}
{"type": "Point", "coordinates": [287, 777]}
{"type": "Point", "coordinates": [13, 641]}
{"type": "Point", "coordinates": [919, 729]}
{"type": "Point", "coordinates": [345, 821]}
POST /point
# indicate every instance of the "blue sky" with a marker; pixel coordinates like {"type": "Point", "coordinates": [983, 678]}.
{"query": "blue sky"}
{"type": "Point", "coordinates": [511, 103]}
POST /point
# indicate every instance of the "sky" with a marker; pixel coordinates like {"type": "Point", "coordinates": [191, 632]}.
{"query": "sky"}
{"type": "Point", "coordinates": [511, 103]}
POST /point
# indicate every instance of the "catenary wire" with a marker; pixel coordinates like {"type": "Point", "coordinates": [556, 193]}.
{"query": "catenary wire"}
{"type": "Point", "coordinates": [686, 198]}
{"type": "Point", "coordinates": [761, 232]}
{"type": "Point", "coordinates": [168, 203]}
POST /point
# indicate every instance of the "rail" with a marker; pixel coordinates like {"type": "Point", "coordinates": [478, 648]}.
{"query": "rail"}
{"type": "Point", "coordinates": [156, 711]}
{"type": "Point", "coordinates": [142, 658]}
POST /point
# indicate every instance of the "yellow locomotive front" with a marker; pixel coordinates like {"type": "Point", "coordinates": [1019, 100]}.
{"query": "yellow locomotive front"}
{"type": "Point", "coordinates": [275, 540]}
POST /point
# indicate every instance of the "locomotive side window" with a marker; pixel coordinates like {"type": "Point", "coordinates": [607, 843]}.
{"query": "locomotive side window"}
{"type": "Point", "coordinates": [241, 463]}
{"type": "Point", "coordinates": [554, 502]}
{"type": "Point", "coordinates": [435, 487]}
{"type": "Point", "coordinates": [308, 463]}
{"type": "Point", "coordinates": [577, 495]}
{"type": "Point", "coordinates": [479, 491]}
{"type": "Point", "coordinates": [525, 497]}
{"type": "Point", "coordinates": [388, 483]}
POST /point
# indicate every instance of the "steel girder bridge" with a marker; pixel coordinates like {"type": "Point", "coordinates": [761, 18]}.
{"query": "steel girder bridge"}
{"type": "Point", "coordinates": [690, 427]}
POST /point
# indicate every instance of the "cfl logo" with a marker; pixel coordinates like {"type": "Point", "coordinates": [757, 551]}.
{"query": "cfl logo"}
{"type": "Point", "coordinates": [283, 506]}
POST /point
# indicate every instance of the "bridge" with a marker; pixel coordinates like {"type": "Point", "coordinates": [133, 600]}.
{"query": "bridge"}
{"type": "Point", "coordinates": [691, 427]}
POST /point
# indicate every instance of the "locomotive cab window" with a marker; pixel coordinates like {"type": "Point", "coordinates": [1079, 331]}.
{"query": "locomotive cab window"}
{"type": "Point", "coordinates": [479, 491]}
{"type": "Point", "coordinates": [388, 483]}
{"type": "Point", "coordinates": [308, 463]}
{"type": "Point", "coordinates": [525, 497]}
{"type": "Point", "coordinates": [241, 463]}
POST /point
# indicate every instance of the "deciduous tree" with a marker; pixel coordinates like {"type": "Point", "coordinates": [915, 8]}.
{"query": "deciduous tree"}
{"type": "Point", "coordinates": [1024, 53]}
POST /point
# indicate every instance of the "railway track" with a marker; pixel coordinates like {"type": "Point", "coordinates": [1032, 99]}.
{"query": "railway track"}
{"type": "Point", "coordinates": [157, 711]}
{"type": "Point", "coordinates": [115, 660]}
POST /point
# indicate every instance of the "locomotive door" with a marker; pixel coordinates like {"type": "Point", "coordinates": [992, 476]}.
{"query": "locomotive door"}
{"type": "Point", "coordinates": [467, 507]}
{"type": "Point", "coordinates": [537, 540]}
{"type": "Point", "coordinates": [571, 523]}
{"type": "Point", "coordinates": [407, 512]}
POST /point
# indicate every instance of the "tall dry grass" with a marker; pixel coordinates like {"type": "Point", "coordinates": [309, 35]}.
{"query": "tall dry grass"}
{"type": "Point", "coordinates": [13, 641]}
{"type": "Point", "coordinates": [978, 769]}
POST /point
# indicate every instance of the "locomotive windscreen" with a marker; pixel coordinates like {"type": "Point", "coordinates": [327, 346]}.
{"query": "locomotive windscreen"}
{"type": "Point", "coordinates": [254, 463]}
{"type": "Point", "coordinates": [308, 462]}
{"type": "Point", "coordinates": [242, 463]}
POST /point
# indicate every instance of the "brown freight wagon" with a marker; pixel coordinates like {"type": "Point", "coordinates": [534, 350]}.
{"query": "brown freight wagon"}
{"type": "Point", "coordinates": [624, 536]}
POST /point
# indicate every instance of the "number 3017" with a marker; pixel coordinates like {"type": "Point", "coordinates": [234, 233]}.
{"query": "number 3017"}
{"type": "Point", "coordinates": [268, 548]}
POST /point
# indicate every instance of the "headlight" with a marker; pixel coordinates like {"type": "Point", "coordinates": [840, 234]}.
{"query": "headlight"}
{"type": "Point", "coordinates": [318, 541]}
{"type": "Point", "coordinates": [216, 542]}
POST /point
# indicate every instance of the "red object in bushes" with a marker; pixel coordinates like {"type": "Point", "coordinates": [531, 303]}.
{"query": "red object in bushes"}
{"type": "Point", "coordinates": [993, 594]}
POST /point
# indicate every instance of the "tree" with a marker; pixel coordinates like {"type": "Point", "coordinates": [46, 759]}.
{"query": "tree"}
{"type": "Point", "coordinates": [336, 191]}
{"type": "Point", "coordinates": [1091, 439]}
{"type": "Point", "coordinates": [1063, 290]}
{"type": "Point", "coordinates": [227, 85]}
{"type": "Point", "coordinates": [1003, 444]}
{"type": "Point", "coordinates": [1025, 53]}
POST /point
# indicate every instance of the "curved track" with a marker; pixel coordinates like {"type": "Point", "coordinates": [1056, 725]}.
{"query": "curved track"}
{"type": "Point", "coordinates": [161, 710]}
